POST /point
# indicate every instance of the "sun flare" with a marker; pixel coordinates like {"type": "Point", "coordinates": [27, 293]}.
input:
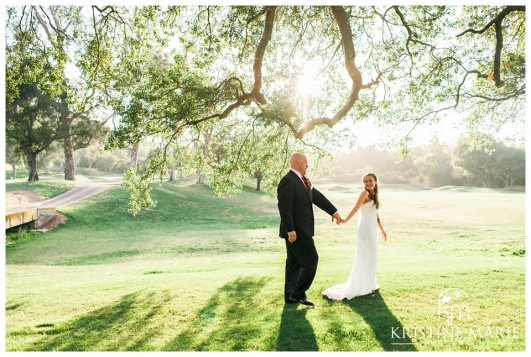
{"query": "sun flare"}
{"type": "Point", "coordinates": [310, 81]}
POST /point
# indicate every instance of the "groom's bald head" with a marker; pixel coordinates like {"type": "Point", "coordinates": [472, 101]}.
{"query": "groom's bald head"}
{"type": "Point", "coordinates": [299, 162]}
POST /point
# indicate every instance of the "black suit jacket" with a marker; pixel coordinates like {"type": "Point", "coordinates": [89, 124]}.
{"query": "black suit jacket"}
{"type": "Point", "coordinates": [295, 206]}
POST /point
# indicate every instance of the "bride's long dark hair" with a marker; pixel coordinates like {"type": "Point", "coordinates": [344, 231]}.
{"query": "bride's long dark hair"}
{"type": "Point", "coordinates": [373, 196]}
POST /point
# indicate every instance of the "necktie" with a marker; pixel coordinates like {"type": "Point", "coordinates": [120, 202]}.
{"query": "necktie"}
{"type": "Point", "coordinates": [306, 182]}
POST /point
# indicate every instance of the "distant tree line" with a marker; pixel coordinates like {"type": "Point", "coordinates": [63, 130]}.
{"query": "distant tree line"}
{"type": "Point", "coordinates": [477, 160]}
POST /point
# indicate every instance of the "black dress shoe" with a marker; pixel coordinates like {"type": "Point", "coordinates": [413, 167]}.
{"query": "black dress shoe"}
{"type": "Point", "coordinates": [302, 301]}
{"type": "Point", "coordinates": [306, 302]}
{"type": "Point", "coordinates": [291, 300]}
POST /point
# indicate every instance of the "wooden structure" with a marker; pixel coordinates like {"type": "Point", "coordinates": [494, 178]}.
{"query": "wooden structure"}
{"type": "Point", "coordinates": [36, 216]}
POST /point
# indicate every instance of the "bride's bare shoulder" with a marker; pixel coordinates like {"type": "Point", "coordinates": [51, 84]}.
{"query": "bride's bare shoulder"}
{"type": "Point", "coordinates": [364, 194]}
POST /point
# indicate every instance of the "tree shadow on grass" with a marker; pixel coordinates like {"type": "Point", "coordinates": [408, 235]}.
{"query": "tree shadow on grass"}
{"type": "Point", "coordinates": [108, 328]}
{"type": "Point", "coordinates": [295, 332]}
{"type": "Point", "coordinates": [227, 321]}
{"type": "Point", "coordinates": [373, 309]}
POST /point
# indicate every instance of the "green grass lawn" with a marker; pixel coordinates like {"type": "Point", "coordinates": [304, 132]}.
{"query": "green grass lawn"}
{"type": "Point", "coordinates": [45, 189]}
{"type": "Point", "coordinates": [200, 273]}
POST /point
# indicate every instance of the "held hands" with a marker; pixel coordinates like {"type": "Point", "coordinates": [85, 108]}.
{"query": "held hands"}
{"type": "Point", "coordinates": [337, 217]}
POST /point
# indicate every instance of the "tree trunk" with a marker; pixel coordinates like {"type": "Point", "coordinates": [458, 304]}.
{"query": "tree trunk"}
{"type": "Point", "coordinates": [14, 166]}
{"type": "Point", "coordinates": [173, 174]}
{"type": "Point", "coordinates": [201, 179]}
{"type": "Point", "coordinates": [31, 163]}
{"type": "Point", "coordinates": [258, 176]}
{"type": "Point", "coordinates": [208, 139]}
{"type": "Point", "coordinates": [134, 155]}
{"type": "Point", "coordinates": [511, 183]}
{"type": "Point", "coordinates": [70, 167]}
{"type": "Point", "coordinates": [506, 181]}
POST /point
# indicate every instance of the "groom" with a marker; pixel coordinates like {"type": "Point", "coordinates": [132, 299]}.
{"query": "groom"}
{"type": "Point", "coordinates": [295, 196]}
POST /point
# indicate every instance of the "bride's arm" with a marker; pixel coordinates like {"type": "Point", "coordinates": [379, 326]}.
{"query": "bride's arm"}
{"type": "Point", "coordinates": [384, 235]}
{"type": "Point", "coordinates": [363, 197]}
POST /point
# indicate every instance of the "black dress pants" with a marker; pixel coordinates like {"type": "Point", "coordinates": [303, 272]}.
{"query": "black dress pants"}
{"type": "Point", "coordinates": [301, 266]}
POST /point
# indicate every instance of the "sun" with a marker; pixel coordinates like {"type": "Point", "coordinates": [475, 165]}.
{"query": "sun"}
{"type": "Point", "coordinates": [310, 81]}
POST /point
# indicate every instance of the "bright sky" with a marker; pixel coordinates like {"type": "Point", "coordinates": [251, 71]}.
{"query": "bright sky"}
{"type": "Point", "coordinates": [369, 134]}
{"type": "Point", "coordinates": [448, 131]}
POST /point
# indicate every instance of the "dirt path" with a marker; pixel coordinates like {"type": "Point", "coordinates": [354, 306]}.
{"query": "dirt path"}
{"type": "Point", "coordinates": [77, 193]}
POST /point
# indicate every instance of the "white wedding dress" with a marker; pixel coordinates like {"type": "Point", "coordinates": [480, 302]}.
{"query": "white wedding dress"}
{"type": "Point", "coordinates": [362, 278]}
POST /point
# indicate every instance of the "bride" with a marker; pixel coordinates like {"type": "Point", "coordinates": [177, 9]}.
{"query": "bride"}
{"type": "Point", "coordinates": [362, 278]}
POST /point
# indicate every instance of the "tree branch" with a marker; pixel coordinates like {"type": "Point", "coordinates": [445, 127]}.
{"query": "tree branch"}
{"type": "Point", "coordinates": [255, 94]}
{"type": "Point", "coordinates": [350, 55]}
{"type": "Point", "coordinates": [497, 22]}
{"type": "Point", "coordinates": [259, 55]}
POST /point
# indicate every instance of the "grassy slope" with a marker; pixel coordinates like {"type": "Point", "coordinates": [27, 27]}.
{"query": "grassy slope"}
{"type": "Point", "coordinates": [204, 273]}
{"type": "Point", "coordinates": [45, 189]}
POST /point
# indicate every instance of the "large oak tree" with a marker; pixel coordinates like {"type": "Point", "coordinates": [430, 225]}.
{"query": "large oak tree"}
{"type": "Point", "coordinates": [55, 41]}
{"type": "Point", "coordinates": [303, 72]}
